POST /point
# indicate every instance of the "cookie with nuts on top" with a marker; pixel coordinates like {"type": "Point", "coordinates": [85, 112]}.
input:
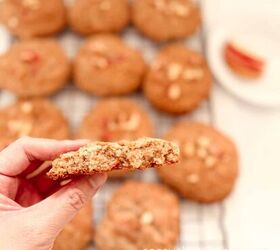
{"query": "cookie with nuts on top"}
{"type": "Point", "coordinates": [95, 16]}
{"type": "Point", "coordinates": [114, 119]}
{"type": "Point", "coordinates": [163, 20]}
{"type": "Point", "coordinates": [35, 67]}
{"type": "Point", "coordinates": [36, 118]}
{"type": "Point", "coordinates": [77, 234]}
{"type": "Point", "coordinates": [106, 66]}
{"type": "Point", "coordinates": [178, 80]}
{"type": "Point", "coordinates": [33, 18]}
{"type": "Point", "coordinates": [208, 167]}
{"type": "Point", "coordinates": [139, 216]}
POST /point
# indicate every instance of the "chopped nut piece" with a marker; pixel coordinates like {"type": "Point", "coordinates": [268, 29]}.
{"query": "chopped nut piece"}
{"type": "Point", "coordinates": [97, 46]}
{"type": "Point", "coordinates": [133, 122]}
{"type": "Point", "coordinates": [160, 5]}
{"type": "Point", "coordinates": [26, 107]}
{"type": "Point", "coordinates": [12, 22]}
{"type": "Point", "coordinates": [101, 63]}
{"type": "Point", "coordinates": [188, 149]}
{"type": "Point", "coordinates": [174, 92]}
{"type": "Point", "coordinates": [105, 5]}
{"type": "Point", "coordinates": [173, 71]}
{"type": "Point", "coordinates": [146, 218]}
{"type": "Point", "coordinates": [157, 65]}
{"type": "Point", "coordinates": [179, 9]}
{"type": "Point", "coordinates": [210, 161]}
{"type": "Point", "coordinates": [193, 178]}
{"type": "Point", "coordinates": [32, 4]}
{"type": "Point", "coordinates": [203, 141]}
{"type": "Point", "coordinates": [21, 128]}
{"type": "Point", "coordinates": [193, 74]}
{"type": "Point", "coordinates": [201, 153]}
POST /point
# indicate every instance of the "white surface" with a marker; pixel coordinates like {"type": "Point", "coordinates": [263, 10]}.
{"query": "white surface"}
{"type": "Point", "coordinates": [264, 91]}
{"type": "Point", "coordinates": [252, 213]}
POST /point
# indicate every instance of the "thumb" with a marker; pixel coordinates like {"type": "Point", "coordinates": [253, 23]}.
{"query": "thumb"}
{"type": "Point", "coordinates": [58, 209]}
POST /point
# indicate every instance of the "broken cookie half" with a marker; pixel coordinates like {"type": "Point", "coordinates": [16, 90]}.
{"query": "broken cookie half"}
{"type": "Point", "coordinates": [99, 157]}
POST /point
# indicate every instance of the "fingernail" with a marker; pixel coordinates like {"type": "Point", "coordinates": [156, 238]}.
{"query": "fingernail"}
{"type": "Point", "coordinates": [97, 180]}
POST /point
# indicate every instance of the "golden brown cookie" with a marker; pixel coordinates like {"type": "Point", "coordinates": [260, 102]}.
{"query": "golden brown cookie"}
{"type": "Point", "coordinates": [33, 18]}
{"type": "Point", "coordinates": [96, 16]}
{"type": "Point", "coordinates": [178, 80]}
{"type": "Point", "coordinates": [36, 118]}
{"type": "Point", "coordinates": [114, 119]}
{"type": "Point", "coordinates": [105, 66]}
{"type": "Point", "coordinates": [34, 67]}
{"type": "Point", "coordinates": [77, 233]}
{"type": "Point", "coordinates": [163, 20]}
{"type": "Point", "coordinates": [139, 216]}
{"type": "Point", "coordinates": [103, 157]}
{"type": "Point", "coordinates": [208, 166]}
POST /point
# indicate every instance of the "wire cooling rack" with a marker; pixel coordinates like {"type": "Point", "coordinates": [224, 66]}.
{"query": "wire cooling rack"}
{"type": "Point", "coordinates": [202, 226]}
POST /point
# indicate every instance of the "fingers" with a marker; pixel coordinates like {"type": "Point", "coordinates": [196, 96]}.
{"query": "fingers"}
{"type": "Point", "coordinates": [19, 155]}
{"type": "Point", "coordinates": [58, 209]}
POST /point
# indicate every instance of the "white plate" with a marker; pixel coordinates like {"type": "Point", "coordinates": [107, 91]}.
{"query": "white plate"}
{"type": "Point", "coordinates": [264, 91]}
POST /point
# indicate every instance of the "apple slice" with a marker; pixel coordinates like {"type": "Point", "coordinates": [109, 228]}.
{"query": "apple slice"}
{"type": "Point", "coordinates": [243, 62]}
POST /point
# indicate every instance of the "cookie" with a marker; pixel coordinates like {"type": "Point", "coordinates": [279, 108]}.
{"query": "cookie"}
{"type": "Point", "coordinates": [100, 157]}
{"type": "Point", "coordinates": [208, 166]}
{"type": "Point", "coordinates": [33, 18]}
{"type": "Point", "coordinates": [178, 80]}
{"type": "Point", "coordinates": [77, 233]}
{"type": "Point", "coordinates": [114, 119]}
{"type": "Point", "coordinates": [36, 118]}
{"type": "Point", "coordinates": [106, 66]}
{"type": "Point", "coordinates": [98, 16]}
{"type": "Point", "coordinates": [163, 20]}
{"type": "Point", "coordinates": [139, 216]}
{"type": "Point", "coordinates": [35, 67]}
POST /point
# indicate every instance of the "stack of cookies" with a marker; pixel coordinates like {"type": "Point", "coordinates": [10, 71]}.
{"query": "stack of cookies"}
{"type": "Point", "coordinates": [139, 215]}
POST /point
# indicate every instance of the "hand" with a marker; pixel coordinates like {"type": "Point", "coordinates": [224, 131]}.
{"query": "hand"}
{"type": "Point", "coordinates": [34, 209]}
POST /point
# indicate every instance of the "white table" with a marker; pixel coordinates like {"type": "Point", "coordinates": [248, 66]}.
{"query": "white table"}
{"type": "Point", "coordinates": [252, 213]}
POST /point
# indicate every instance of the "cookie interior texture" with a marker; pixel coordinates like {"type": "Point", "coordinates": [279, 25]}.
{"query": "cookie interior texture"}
{"type": "Point", "coordinates": [107, 156]}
